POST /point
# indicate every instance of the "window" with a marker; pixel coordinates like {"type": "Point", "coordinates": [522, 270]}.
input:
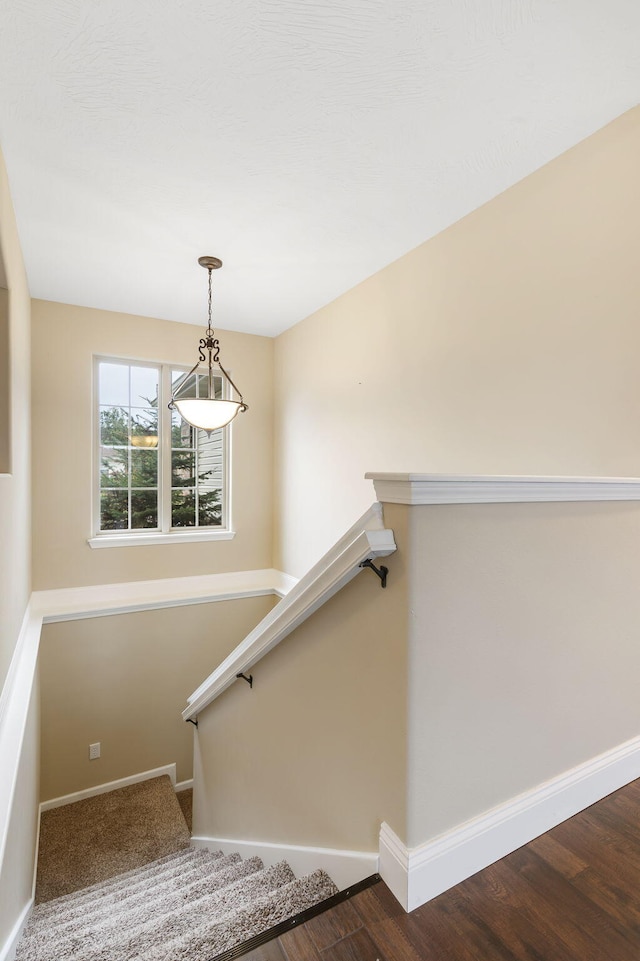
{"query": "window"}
{"type": "Point", "coordinates": [156, 474]}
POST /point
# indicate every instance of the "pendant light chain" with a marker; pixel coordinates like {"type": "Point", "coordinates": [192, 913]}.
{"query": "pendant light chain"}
{"type": "Point", "coordinates": [210, 328]}
{"type": "Point", "coordinates": [209, 342]}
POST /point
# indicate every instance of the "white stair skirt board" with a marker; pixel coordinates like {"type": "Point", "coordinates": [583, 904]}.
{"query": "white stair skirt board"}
{"type": "Point", "coordinates": [419, 874]}
{"type": "Point", "coordinates": [183, 786]}
{"type": "Point", "coordinates": [36, 855]}
{"type": "Point", "coordinates": [8, 949]}
{"type": "Point", "coordinates": [14, 705]}
{"type": "Point", "coordinates": [58, 802]}
{"type": "Point", "coordinates": [344, 867]}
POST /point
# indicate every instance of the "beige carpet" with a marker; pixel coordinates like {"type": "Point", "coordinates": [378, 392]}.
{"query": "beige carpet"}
{"type": "Point", "coordinates": [189, 906]}
{"type": "Point", "coordinates": [94, 839]}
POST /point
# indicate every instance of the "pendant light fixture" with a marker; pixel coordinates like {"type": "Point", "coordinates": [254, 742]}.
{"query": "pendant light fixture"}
{"type": "Point", "coordinates": [209, 412]}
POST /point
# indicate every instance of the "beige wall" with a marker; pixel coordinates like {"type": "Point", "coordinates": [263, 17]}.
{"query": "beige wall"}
{"type": "Point", "coordinates": [67, 338]}
{"type": "Point", "coordinates": [506, 344]}
{"type": "Point", "coordinates": [124, 680]}
{"type": "Point", "coordinates": [524, 651]}
{"type": "Point", "coordinates": [15, 536]}
{"type": "Point", "coordinates": [315, 754]}
{"type": "Point", "coordinates": [503, 653]}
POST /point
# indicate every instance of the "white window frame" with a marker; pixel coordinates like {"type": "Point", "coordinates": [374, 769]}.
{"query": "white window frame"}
{"type": "Point", "coordinates": [164, 534]}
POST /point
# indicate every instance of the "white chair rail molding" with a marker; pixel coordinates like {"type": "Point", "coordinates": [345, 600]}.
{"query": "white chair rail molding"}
{"type": "Point", "coordinates": [416, 489]}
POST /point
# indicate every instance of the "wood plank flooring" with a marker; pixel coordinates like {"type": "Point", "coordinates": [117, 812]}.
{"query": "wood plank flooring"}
{"type": "Point", "coordinates": [571, 895]}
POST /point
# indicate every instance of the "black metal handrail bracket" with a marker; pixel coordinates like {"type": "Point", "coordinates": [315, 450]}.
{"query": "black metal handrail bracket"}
{"type": "Point", "coordinates": [381, 571]}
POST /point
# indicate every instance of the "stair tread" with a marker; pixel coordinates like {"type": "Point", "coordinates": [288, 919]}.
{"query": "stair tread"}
{"type": "Point", "coordinates": [140, 931]}
{"type": "Point", "coordinates": [217, 935]}
{"type": "Point", "coordinates": [170, 861]}
{"type": "Point", "coordinates": [170, 892]}
{"type": "Point", "coordinates": [185, 907]}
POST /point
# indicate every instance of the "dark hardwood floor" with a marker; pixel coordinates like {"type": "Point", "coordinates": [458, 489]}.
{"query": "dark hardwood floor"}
{"type": "Point", "coordinates": [571, 895]}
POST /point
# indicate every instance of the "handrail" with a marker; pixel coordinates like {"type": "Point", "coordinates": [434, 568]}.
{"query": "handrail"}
{"type": "Point", "coordinates": [367, 539]}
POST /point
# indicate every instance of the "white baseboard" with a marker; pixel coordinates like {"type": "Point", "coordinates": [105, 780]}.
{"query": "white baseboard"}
{"type": "Point", "coordinates": [344, 867]}
{"type": "Point", "coordinates": [35, 857]}
{"type": "Point", "coordinates": [8, 949]}
{"type": "Point", "coordinates": [58, 802]}
{"type": "Point", "coordinates": [184, 785]}
{"type": "Point", "coordinates": [419, 874]}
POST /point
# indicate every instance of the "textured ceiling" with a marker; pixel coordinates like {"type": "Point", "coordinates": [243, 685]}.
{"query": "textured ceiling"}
{"type": "Point", "coordinates": [307, 144]}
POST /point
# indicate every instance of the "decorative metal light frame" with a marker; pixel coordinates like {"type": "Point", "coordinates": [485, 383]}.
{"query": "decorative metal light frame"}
{"type": "Point", "coordinates": [210, 412]}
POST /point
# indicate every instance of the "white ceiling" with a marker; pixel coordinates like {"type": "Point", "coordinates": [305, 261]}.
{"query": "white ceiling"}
{"type": "Point", "coordinates": [305, 143]}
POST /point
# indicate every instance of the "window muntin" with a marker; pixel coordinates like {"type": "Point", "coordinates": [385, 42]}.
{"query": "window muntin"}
{"type": "Point", "coordinates": [155, 473]}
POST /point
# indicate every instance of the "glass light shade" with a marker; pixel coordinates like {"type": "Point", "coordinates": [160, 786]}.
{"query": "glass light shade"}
{"type": "Point", "coordinates": [207, 413]}
{"type": "Point", "coordinates": [144, 440]}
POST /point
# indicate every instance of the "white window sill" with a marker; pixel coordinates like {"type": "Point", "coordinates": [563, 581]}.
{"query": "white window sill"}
{"type": "Point", "coordinates": [152, 538]}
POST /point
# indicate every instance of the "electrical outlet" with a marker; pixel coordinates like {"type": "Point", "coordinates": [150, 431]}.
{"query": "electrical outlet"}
{"type": "Point", "coordinates": [94, 751]}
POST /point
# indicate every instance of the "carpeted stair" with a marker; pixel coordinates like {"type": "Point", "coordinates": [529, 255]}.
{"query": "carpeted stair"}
{"type": "Point", "coordinates": [94, 839]}
{"type": "Point", "coordinates": [187, 906]}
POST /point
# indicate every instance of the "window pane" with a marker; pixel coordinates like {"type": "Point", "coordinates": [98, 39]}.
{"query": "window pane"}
{"type": "Point", "coordinates": [183, 508]}
{"type": "Point", "coordinates": [144, 427]}
{"type": "Point", "coordinates": [205, 478]}
{"type": "Point", "coordinates": [188, 388]}
{"type": "Point", "coordinates": [182, 434]}
{"type": "Point", "coordinates": [144, 509]}
{"type": "Point", "coordinates": [114, 467]}
{"type": "Point", "coordinates": [210, 449]}
{"type": "Point", "coordinates": [113, 384]}
{"type": "Point", "coordinates": [114, 512]}
{"type": "Point", "coordinates": [114, 426]}
{"type": "Point", "coordinates": [209, 507]}
{"type": "Point", "coordinates": [203, 385]}
{"type": "Point", "coordinates": [144, 387]}
{"type": "Point", "coordinates": [144, 468]}
{"type": "Point", "coordinates": [183, 467]}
